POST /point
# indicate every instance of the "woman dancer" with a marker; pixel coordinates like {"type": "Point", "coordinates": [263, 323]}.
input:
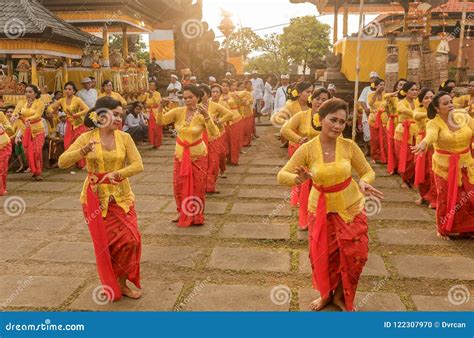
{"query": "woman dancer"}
{"type": "Point", "coordinates": [107, 199]}
{"type": "Point", "coordinates": [377, 121]}
{"type": "Point", "coordinates": [75, 110]}
{"type": "Point", "coordinates": [392, 103]}
{"type": "Point", "coordinates": [405, 133]}
{"type": "Point", "coordinates": [152, 100]}
{"type": "Point", "coordinates": [30, 112]}
{"type": "Point", "coordinates": [299, 130]}
{"type": "Point", "coordinates": [338, 239]}
{"type": "Point", "coordinates": [424, 175]}
{"type": "Point", "coordinates": [451, 132]}
{"type": "Point", "coordinates": [106, 89]}
{"type": "Point", "coordinates": [190, 164]}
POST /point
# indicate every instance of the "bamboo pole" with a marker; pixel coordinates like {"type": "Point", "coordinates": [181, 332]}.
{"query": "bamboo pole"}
{"type": "Point", "coordinates": [356, 89]}
{"type": "Point", "coordinates": [461, 43]}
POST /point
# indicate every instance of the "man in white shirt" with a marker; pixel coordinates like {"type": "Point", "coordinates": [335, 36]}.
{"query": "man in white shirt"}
{"type": "Point", "coordinates": [281, 96]}
{"type": "Point", "coordinates": [258, 88]}
{"type": "Point", "coordinates": [363, 101]}
{"type": "Point", "coordinates": [173, 88]}
{"type": "Point", "coordinates": [87, 93]}
{"type": "Point", "coordinates": [228, 76]}
{"type": "Point", "coordinates": [212, 80]}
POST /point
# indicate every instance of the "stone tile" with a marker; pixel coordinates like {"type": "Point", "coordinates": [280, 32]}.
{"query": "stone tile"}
{"type": "Point", "coordinates": [66, 252]}
{"type": "Point", "coordinates": [157, 296]}
{"type": "Point", "coordinates": [13, 186]}
{"type": "Point", "coordinates": [158, 168]}
{"type": "Point", "coordinates": [36, 291]}
{"type": "Point", "coordinates": [263, 192]}
{"type": "Point", "coordinates": [302, 235]}
{"type": "Point", "coordinates": [157, 177]}
{"type": "Point", "coordinates": [155, 160]}
{"type": "Point", "coordinates": [249, 259]}
{"type": "Point", "coordinates": [442, 303]}
{"type": "Point", "coordinates": [261, 180]}
{"type": "Point", "coordinates": [364, 301]}
{"type": "Point", "coordinates": [49, 186]}
{"type": "Point", "coordinates": [374, 266]}
{"type": "Point", "coordinates": [232, 179]}
{"type": "Point", "coordinates": [387, 182]}
{"type": "Point", "coordinates": [149, 204]}
{"type": "Point", "coordinates": [31, 222]}
{"type": "Point", "coordinates": [436, 267]}
{"type": "Point", "coordinates": [78, 176]}
{"type": "Point", "coordinates": [262, 209]}
{"type": "Point", "coordinates": [410, 236]}
{"type": "Point", "coordinates": [223, 192]}
{"type": "Point", "coordinates": [181, 256]}
{"type": "Point", "coordinates": [16, 205]}
{"type": "Point", "coordinates": [213, 297]}
{"type": "Point", "coordinates": [403, 214]}
{"type": "Point", "coordinates": [166, 153]}
{"type": "Point", "coordinates": [162, 226]}
{"type": "Point", "coordinates": [210, 207]}
{"type": "Point", "coordinates": [149, 189]}
{"type": "Point", "coordinates": [378, 301]}
{"type": "Point", "coordinates": [64, 202]}
{"type": "Point", "coordinates": [381, 172]}
{"type": "Point", "coordinates": [272, 170]}
{"type": "Point", "coordinates": [16, 249]}
{"type": "Point", "coordinates": [256, 230]}
{"type": "Point", "coordinates": [399, 195]}
{"type": "Point", "coordinates": [269, 161]}
{"type": "Point", "coordinates": [307, 295]}
{"type": "Point", "coordinates": [236, 169]}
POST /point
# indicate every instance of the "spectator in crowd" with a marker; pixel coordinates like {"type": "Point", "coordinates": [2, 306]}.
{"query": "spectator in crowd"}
{"type": "Point", "coordinates": [135, 123]}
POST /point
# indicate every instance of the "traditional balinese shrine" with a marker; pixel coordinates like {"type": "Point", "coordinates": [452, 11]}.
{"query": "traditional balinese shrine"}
{"type": "Point", "coordinates": [418, 40]}
{"type": "Point", "coordinates": [37, 46]}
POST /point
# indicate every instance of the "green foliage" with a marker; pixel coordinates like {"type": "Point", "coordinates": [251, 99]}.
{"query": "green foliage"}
{"type": "Point", "coordinates": [306, 40]}
{"type": "Point", "coordinates": [273, 60]}
{"type": "Point", "coordinates": [243, 42]}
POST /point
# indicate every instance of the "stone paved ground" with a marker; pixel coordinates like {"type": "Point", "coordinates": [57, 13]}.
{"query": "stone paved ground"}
{"type": "Point", "coordinates": [248, 256]}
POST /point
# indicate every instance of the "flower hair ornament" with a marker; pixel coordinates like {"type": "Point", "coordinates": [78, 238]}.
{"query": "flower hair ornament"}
{"type": "Point", "coordinates": [93, 116]}
{"type": "Point", "coordinates": [372, 85]}
{"type": "Point", "coordinates": [402, 92]}
{"type": "Point", "coordinates": [443, 84]}
{"type": "Point", "coordinates": [316, 121]}
{"type": "Point", "coordinates": [310, 98]}
{"type": "Point", "coordinates": [294, 92]}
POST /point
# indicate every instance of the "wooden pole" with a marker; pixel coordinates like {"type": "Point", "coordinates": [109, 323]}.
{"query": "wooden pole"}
{"type": "Point", "coordinates": [345, 18]}
{"type": "Point", "coordinates": [356, 88]}
{"type": "Point", "coordinates": [124, 42]}
{"type": "Point", "coordinates": [335, 29]}
{"type": "Point", "coordinates": [105, 47]}
{"type": "Point", "coordinates": [461, 43]}
{"type": "Point", "coordinates": [34, 72]}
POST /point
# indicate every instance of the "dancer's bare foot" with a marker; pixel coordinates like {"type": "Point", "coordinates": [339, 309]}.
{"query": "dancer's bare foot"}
{"type": "Point", "coordinates": [405, 186]}
{"type": "Point", "coordinates": [443, 237]}
{"type": "Point", "coordinates": [432, 206]}
{"type": "Point", "coordinates": [176, 219]}
{"type": "Point", "coordinates": [373, 162]}
{"type": "Point", "coordinates": [223, 175]}
{"type": "Point", "coordinates": [127, 292]}
{"type": "Point", "coordinates": [38, 178]}
{"type": "Point", "coordinates": [339, 302]}
{"type": "Point", "coordinates": [302, 229]}
{"type": "Point", "coordinates": [20, 170]}
{"type": "Point", "coordinates": [320, 303]}
{"type": "Point", "coordinates": [419, 201]}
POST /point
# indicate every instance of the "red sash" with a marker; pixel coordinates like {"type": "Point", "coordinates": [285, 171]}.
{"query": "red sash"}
{"type": "Point", "coordinates": [453, 175]}
{"type": "Point", "coordinates": [402, 161]}
{"type": "Point", "coordinates": [68, 134]}
{"type": "Point", "coordinates": [319, 244]}
{"type": "Point", "coordinates": [379, 127]}
{"type": "Point", "coordinates": [99, 237]}
{"type": "Point", "coordinates": [390, 135]}
{"type": "Point", "coordinates": [186, 172]}
{"type": "Point", "coordinates": [151, 127]}
{"type": "Point", "coordinates": [420, 166]}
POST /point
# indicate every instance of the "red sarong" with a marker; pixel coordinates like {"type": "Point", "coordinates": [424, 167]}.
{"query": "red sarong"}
{"type": "Point", "coordinates": [247, 131]}
{"type": "Point", "coordinates": [214, 153]}
{"type": "Point", "coordinates": [71, 135]}
{"type": "Point", "coordinates": [408, 176]}
{"type": "Point", "coordinates": [337, 251]}
{"type": "Point", "coordinates": [450, 196]}
{"type": "Point", "coordinates": [224, 150]}
{"type": "Point", "coordinates": [426, 179]}
{"type": "Point", "coordinates": [155, 131]}
{"type": "Point", "coordinates": [404, 152]}
{"type": "Point", "coordinates": [420, 166]}
{"type": "Point", "coordinates": [5, 154]}
{"type": "Point", "coordinates": [234, 139]}
{"type": "Point", "coordinates": [305, 189]}
{"type": "Point", "coordinates": [392, 160]}
{"type": "Point", "coordinates": [116, 239]}
{"type": "Point", "coordinates": [377, 140]}
{"type": "Point", "coordinates": [190, 185]}
{"type": "Point", "coordinates": [34, 150]}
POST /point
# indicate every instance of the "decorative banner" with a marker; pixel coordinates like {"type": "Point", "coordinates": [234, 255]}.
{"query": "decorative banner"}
{"type": "Point", "coordinates": [162, 48]}
{"type": "Point", "coordinates": [236, 61]}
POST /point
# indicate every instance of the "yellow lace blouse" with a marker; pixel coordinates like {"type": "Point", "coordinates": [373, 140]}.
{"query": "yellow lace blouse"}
{"type": "Point", "coordinates": [233, 106]}
{"type": "Point", "coordinates": [438, 133]}
{"type": "Point", "coordinates": [33, 113]}
{"type": "Point", "coordinates": [374, 108]}
{"type": "Point", "coordinates": [152, 101]}
{"type": "Point", "coordinates": [189, 131]}
{"type": "Point", "coordinates": [218, 111]}
{"type": "Point", "coordinates": [246, 103]}
{"type": "Point", "coordinates": [299, 126]}
{"type": "Point", "coordinates": [75, 110]}
{"type": "Point", "coordinates": [125, 160]}
{"type": "Point", "coordinates": [347, 203]}
{"type": "Point", "coordinates": [405, 112]}
{"type": "Point", "coordinates": [6, 124]}
{"type": "Point", "coordinates": [290, 109]}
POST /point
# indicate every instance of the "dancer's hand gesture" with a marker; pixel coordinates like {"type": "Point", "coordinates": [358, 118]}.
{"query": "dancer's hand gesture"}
{"type": "Point", "coordinates": [369, 190]}
{"type": "Point", "coordinates": [303, 175]}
